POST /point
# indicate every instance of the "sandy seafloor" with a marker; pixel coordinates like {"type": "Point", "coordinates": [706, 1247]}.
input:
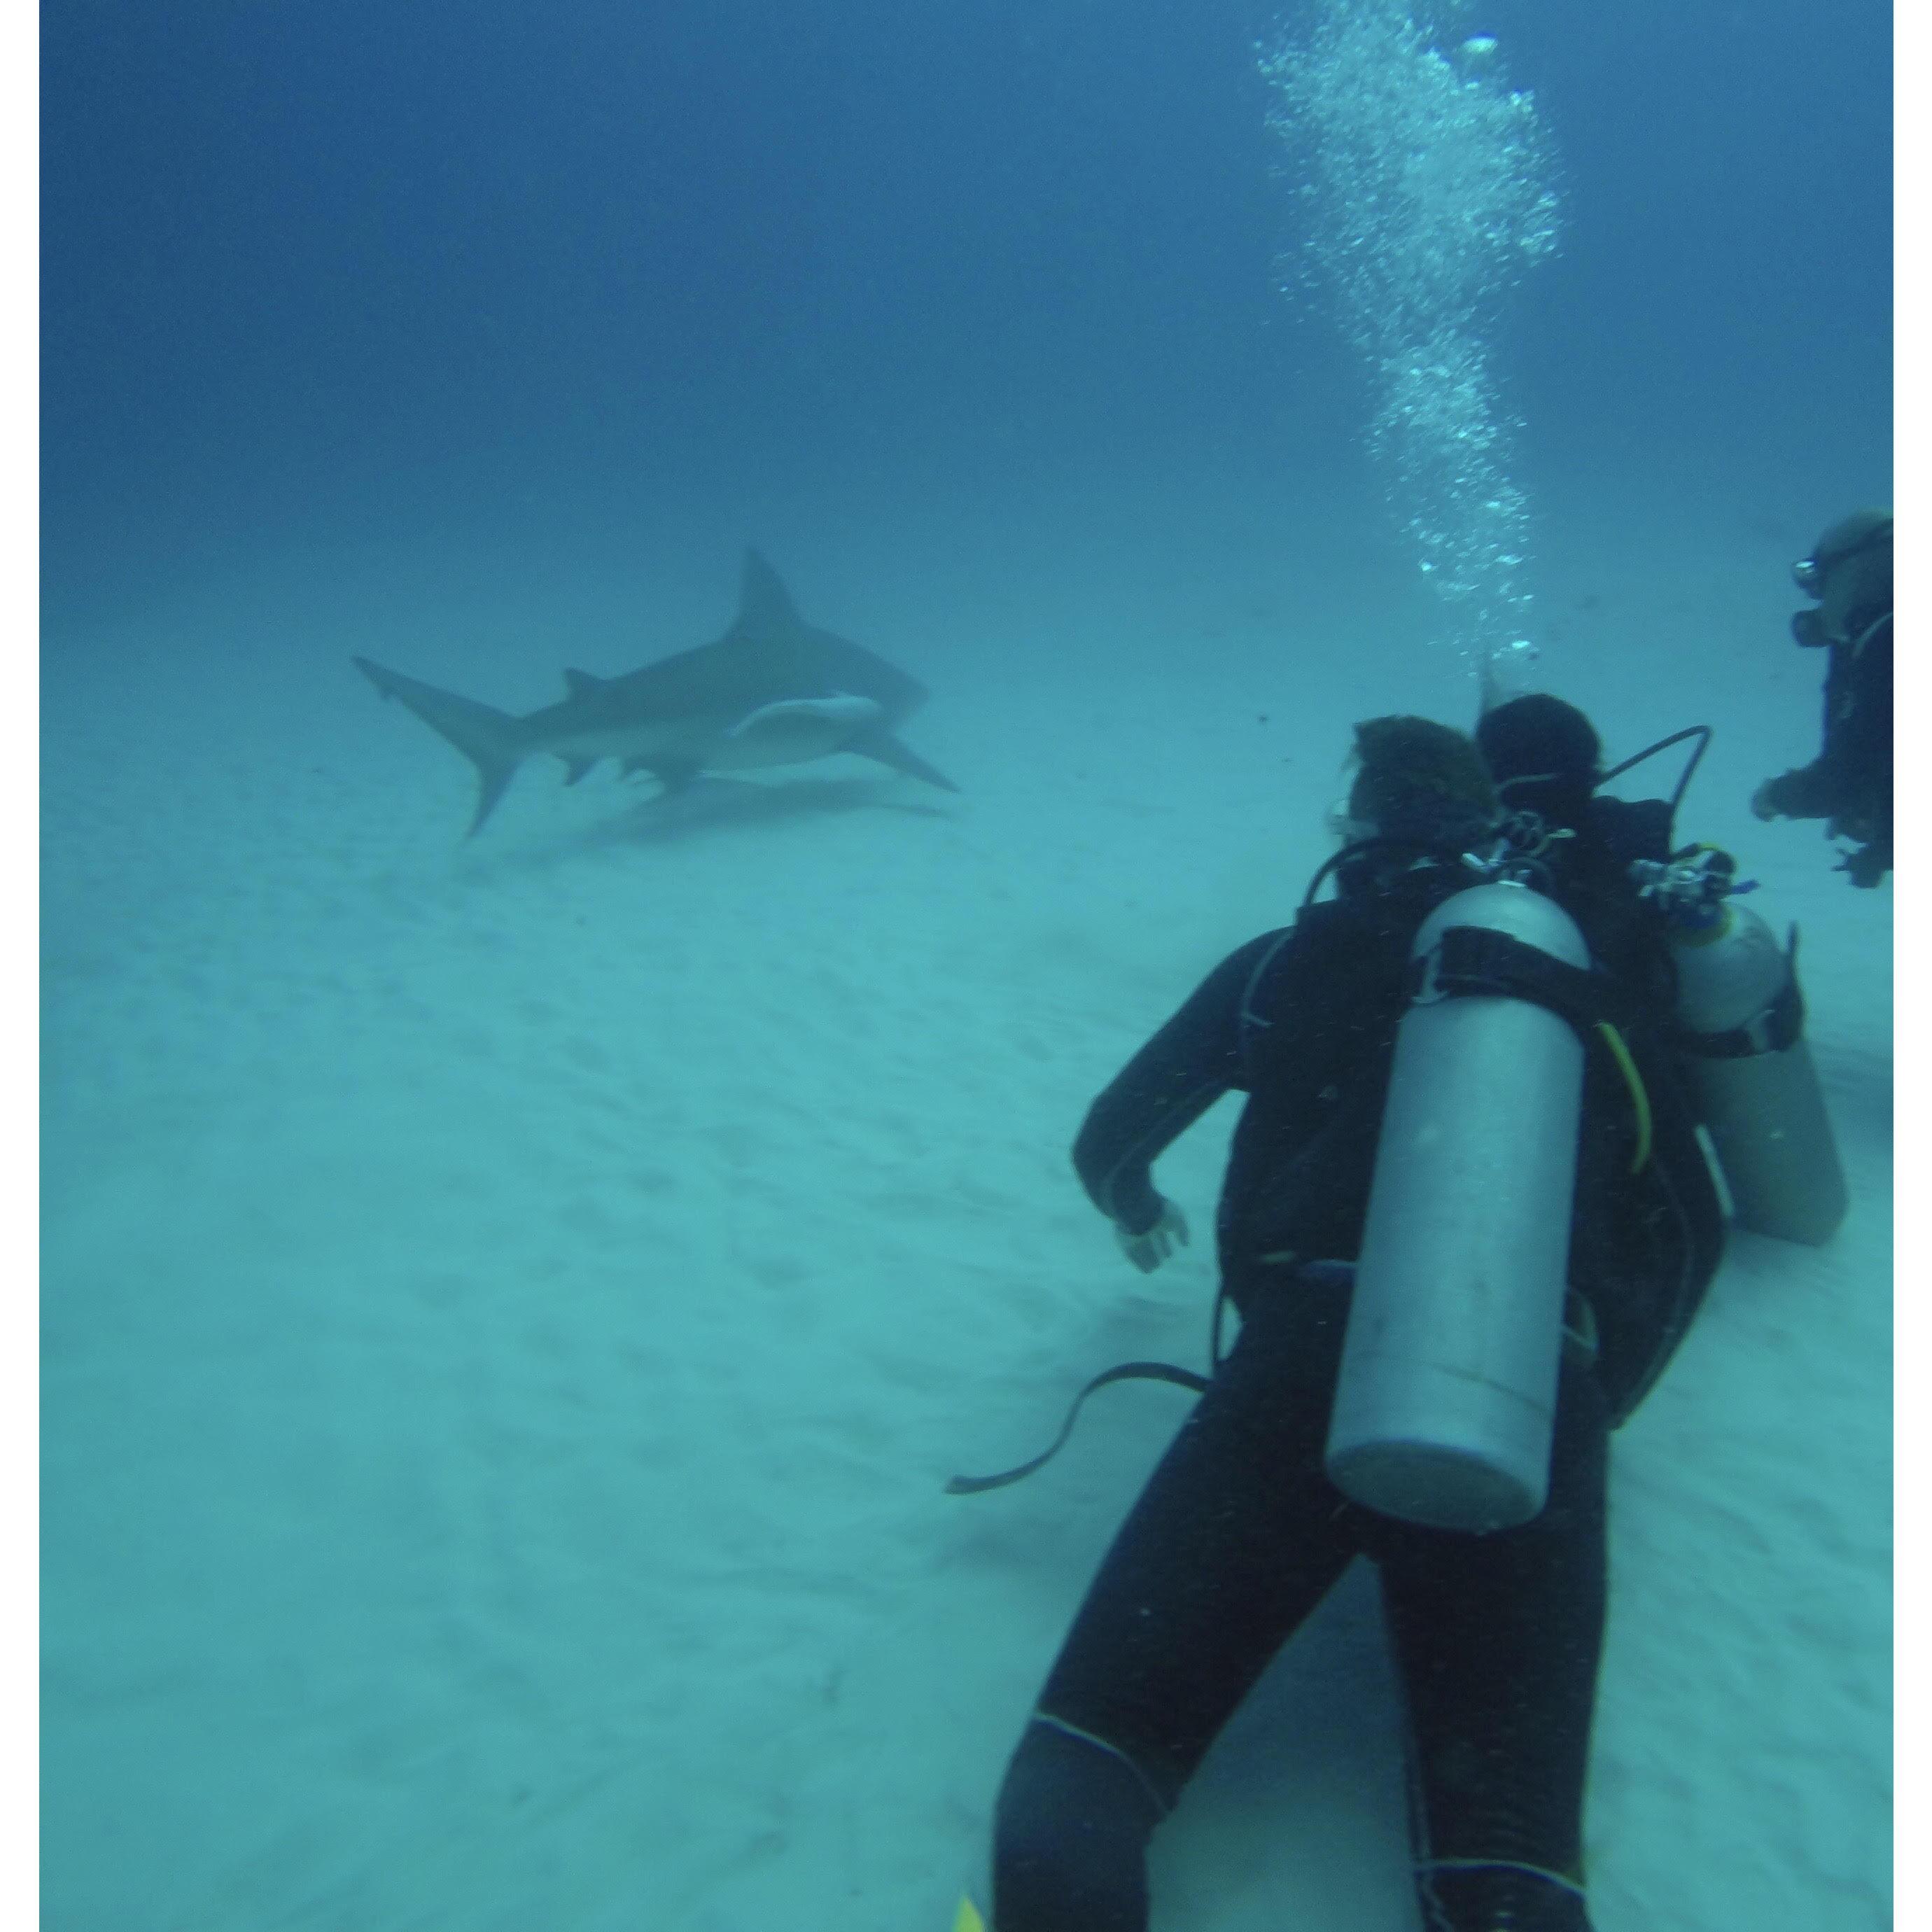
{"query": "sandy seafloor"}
{"type": "Point", "coordinates": [510, 1307]}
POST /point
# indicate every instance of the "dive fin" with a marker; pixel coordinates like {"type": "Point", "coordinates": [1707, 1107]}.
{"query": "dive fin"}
{"type": "Point", "coordinates": [491, 740]}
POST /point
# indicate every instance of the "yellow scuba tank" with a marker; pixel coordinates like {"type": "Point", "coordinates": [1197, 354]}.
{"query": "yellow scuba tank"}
{"type": "Point", "coordinates": [1741, 1018]}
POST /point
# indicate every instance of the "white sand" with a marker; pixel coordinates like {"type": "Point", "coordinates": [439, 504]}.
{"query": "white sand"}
{"type": "Point", "coordinates": [510, 1307]}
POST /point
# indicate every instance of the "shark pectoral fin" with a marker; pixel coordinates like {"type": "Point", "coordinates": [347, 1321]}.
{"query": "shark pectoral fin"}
{"type": "Point", "coordinates": [575, 768]}
{"type": "Point", "coordinates": [882, 745]}
{"type": "Point", "coordinates": [492, 740]}
{"type": "Point", "coordinates": [830, 717]}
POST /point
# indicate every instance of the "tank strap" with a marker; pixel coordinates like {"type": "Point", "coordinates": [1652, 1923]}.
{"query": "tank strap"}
{"type": "Point", "coordinates": [1779, 1025]}
{"type": "Point", "coordinates": [1477, 961]}
{"type": "Point", "coordinates": [1472, 961]}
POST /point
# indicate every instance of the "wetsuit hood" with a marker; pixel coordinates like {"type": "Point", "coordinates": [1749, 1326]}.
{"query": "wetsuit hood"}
{"type": "Point", "coordinates": [1542, 754]}
{"type": "Point", "coordinates": [1849, 573]}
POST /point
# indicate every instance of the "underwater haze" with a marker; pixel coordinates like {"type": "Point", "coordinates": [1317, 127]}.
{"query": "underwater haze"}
{"type": "Point", "coordinates": [511, 1304]}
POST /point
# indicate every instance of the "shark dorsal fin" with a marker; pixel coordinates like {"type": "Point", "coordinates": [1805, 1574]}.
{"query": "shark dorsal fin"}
{"type": "Point", "coordinates": [764, 604]}
{"type": "Point", "coordinates": [581, 684]}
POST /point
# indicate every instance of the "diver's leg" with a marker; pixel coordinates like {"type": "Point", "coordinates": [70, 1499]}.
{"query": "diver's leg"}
{"type": "Point", "coordinates": [1236, 1537]}
{"type": "Point", "coordinates": [1498, 1639]}
{"type": "Point", "coordinates": [1070, 1836]}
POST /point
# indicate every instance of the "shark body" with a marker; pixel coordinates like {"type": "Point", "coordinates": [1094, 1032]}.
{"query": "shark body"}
{"type": "Point", "coordinates": [773, 690]}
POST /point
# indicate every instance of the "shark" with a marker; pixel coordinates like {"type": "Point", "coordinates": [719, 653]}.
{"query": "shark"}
{"type": "Point", "coordinates": [773, 690]}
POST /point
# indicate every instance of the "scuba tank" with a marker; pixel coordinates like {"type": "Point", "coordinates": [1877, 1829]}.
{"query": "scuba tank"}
{"type": "Point", "coordinates": [1446, 1399]}
{"type": "Point", "coordinates": [1741, 1017]}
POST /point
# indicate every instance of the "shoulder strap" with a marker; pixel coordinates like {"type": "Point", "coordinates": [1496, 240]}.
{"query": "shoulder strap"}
{"type": "Point", "coordinates": [1479, 961]}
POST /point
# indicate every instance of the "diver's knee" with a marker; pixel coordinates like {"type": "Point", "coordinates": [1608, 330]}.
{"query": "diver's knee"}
{"type": "Point", "coordinates": [1070, 1835]}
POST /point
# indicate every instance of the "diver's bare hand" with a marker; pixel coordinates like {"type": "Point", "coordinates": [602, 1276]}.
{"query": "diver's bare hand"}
{"type": "Point", "coordinates": [1147, 1251]}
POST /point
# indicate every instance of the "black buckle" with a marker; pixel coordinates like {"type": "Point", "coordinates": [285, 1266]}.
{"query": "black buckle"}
{"type": "Point", "coordinates": [1779, 1025]}
{"type": "Point", "coordinates": [1477, 961]}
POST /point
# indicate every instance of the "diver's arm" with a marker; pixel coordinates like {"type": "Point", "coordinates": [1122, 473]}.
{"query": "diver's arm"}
{"type": "Point", "coordinates": [1161, 1092]}
{"type": "Point", "coordinates": [1810, 791]}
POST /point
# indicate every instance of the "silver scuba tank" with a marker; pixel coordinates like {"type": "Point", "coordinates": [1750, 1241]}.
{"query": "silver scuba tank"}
{"type": "Point", "coordinates": [1744, 1049]}
{"type": "Point", "coordinates": [1447, 1396]}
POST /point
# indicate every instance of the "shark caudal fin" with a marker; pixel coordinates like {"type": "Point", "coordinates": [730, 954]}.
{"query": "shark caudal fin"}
{"type": "Point", "coordinates": [492, 740]}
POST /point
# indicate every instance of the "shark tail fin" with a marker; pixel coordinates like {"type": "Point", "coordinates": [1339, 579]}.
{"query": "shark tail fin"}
{"type": "Point", "coordinates": [492, 740]}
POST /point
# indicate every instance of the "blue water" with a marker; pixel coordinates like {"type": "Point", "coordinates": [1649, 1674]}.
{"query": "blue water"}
{"type": "Point", "coordinates": [517, 271]}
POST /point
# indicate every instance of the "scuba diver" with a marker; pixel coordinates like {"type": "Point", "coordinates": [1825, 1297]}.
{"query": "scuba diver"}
{"type": "Point", "coordinates": [1481, 1504]}
{"type": "Point", "coordinates": [1848, 784]}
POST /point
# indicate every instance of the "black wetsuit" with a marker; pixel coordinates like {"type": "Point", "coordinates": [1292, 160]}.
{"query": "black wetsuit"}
{"type": "Point", "coordinates": [1239, 1533]}
{"type": "Point", "coordinates": [1850, 782]}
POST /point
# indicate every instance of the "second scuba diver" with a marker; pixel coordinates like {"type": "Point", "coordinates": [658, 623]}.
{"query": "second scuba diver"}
{"type": "Point", "coordinates": [1848, 784]}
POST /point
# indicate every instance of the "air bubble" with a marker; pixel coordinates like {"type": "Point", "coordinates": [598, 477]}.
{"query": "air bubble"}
{"type": "Point", "coordinates": [1428, 190]}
